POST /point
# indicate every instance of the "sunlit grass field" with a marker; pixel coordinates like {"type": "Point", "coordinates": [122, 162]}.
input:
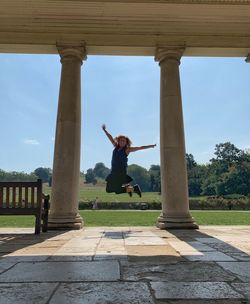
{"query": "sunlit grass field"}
{"type": "Point", "coordinates": [149, 218]}
{"type": "Point", "coordinates": [89, 193]}
{"type": "Point", "coordinates": [137, 218]}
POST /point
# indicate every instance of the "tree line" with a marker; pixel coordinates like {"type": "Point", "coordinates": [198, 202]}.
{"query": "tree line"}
{"type": "Point", "coordinates": [149, 180]}
{"type": "Point", "coordinates": [228, 172]}
{"type": "Point", "coordinates": [45, 174]}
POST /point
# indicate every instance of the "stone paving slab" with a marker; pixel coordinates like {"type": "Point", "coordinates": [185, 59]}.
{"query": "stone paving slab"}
{"type": "Point", "coordinates": [182, 272]}
{"type": "Point", "coordinates": [233, 238]}
{"type": "Point", "coordinates": [62, 272]}
{"type": "Point", "coordinates": [81, 242]}
{"type": "Point", "coordinates": [8, 248]}
{"type": "Point", "coordinates": [5, 265]}
{"type": "Point", "coordinates": [139, 233]}
{"type": "Point", "coordinates": [197, 290]}
{"type": "Point", "coordinates": [70, 258]}
{"type": "Point", "coordinates": [112, 256]}
{"type": "Point", "coordinates": [109, 246]}
{"type": "Point", "coordinates": [113, 235]}
{"type": "Point", "coordinates": [23, 258]}
{"type": "Point", "coordinates": [240, 256]}
{"type": "Point", "coordinates": [103, 293]}
{"type": "Point", "coordinates": [155, 240]}
{"type": "Point", "coordinates": [73, 251]}
{"type": "Point", "coordinates": [200, 246]}
{"type": "Point", "coordinates": [242, 246]}
{"type": "Point", "coordinates": [149, 254]}
{"type": "Point", "coordinates": [24, 293]}
{"type": "Point", "coordinates": [204, 301]}
{"type": "Point", "coordinates": [211, 263]}
{"type": "Point", "coordinates": [207, 256]}
{"type": "Point", "coordinates": [243, 288]}
{"type": "Point", "coordinates": [33, 242]}
{"type": "Point", "coordinates": [240, 269]}
{"type": "Point", "coordinates": [182, 247]}
{"type": "Point", "coordinates": [208, 240]}
{"type": "Point", "coordinates": [116, 241]}
{"type": "Point", "coordinates": [33, 251]}
{"type": "Point", "coordinates": [224, 247]}
{"type": "Point", "coordinates": [48, 244]}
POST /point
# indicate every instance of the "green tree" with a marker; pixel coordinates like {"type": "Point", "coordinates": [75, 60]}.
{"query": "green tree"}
{"type": "Point", "coordinates": [227, 155]}
{"type": "Point", "coordinates": [237, 179]}
{"type": "Point", "coordinates": [100, 170]}
{"type": "Point", "coordinates": [196, 177]}
{"type": "Point", "coordinates": [209, 186]}
{"type": "Point", "coordinates": [195, 174]}
{"type": "Point", "coordinates": [140, 176]}
{"type": "Point", "coordinates": [16, 176]}
{"type": "Point", "coordinates": [228, 172]}
{"type": "Point", "coordinates": [44, 174]}
{"type": "Point", "coordinates": [155, 178]}
{"type": "Point", "coordinates": [191, 163]}
{"type": "Point", "coordinates": [90, 177]}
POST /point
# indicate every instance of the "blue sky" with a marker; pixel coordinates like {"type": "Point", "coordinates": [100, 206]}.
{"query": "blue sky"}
{"type": "Point", "coordinates": [123, 93]}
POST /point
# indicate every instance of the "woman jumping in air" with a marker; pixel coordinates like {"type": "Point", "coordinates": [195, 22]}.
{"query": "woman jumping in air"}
{"type": "Point", "coordinates": [118, 180]}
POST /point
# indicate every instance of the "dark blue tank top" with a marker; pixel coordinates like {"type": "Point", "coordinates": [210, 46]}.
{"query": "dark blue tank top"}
{"type": "Point", "coordinates": [119, 160]}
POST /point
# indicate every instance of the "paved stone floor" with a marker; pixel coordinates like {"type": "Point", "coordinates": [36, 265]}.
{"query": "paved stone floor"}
{"type": "Point", "coordinates": [123, 265]}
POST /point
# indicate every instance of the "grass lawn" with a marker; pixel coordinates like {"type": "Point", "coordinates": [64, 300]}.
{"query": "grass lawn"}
{"type": "Point", "coordinates": [88, 193]}
{"type": "Point", "coordinates": [17, 221]}
{"type": "Point", "coordinates": [148, 218]}
{"type": "Point", "coordinates": [137, 218]}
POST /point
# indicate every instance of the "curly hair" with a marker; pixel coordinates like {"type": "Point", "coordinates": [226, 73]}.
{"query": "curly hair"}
{"type": "Point", "coordinates": [129, 142]}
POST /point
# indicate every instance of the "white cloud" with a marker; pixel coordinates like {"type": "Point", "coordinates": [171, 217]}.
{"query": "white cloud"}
{"type": "Point", "coordinates": [31, 142]}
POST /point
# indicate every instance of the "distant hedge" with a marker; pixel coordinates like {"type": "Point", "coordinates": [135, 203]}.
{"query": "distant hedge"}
{"type": "Point", "coordinates": [211, 203]}
{"type": "Point", "coordinates": [121, 205]}
{"type": "Point", "coordinates": [220, 203]}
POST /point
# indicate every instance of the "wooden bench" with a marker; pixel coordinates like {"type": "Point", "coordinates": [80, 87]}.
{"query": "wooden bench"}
{"type": "Point", "coordinates": [25, 198]}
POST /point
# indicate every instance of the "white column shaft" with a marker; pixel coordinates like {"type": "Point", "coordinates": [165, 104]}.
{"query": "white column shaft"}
{"type": "Point", "coordinates": [66, 168]}
{"type": "Point", "coordinates": [174, 185]}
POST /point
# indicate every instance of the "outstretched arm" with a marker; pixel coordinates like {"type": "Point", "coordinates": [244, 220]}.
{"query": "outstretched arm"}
{"type": "Point", "coordinates": [134, 149]}
{"type": "Point", "coordinates": [110, 137]}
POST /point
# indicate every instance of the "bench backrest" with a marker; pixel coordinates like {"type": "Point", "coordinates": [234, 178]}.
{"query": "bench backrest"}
{"type": "Point", "coordinates": [26, 195]}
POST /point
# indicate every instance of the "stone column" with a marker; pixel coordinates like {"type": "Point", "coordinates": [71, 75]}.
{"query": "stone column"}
{"type": "Point", "coordinates": [174, 186]}
{"type": "Point", "coordinates": [66, 168]}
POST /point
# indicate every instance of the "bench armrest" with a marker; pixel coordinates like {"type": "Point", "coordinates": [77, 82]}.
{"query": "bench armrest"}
{"type": "Point", "coordinates": [45, 212]}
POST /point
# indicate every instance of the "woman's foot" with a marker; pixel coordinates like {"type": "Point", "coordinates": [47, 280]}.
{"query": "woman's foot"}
{"type": "Point", "coordinates": [137, 190]}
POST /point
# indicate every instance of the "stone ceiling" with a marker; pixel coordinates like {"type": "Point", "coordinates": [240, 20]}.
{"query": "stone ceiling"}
{"type": "Point", "coordinates": [123, 27]}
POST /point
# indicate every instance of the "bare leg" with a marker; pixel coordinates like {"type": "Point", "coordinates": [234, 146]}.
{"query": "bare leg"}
{"type": "Point", "coordinates": [129, 188]}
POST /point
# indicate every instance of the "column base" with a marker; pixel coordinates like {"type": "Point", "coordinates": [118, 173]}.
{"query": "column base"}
{"type": "Point", "coordinates": [65, 223]}
{"type": "Point", "coordinates": [178, 222]}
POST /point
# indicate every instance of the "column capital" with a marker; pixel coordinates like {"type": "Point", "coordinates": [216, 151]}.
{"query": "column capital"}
{"type": "Point", "coordinates": [69, 52]}
{"type": "Point", "coordinates": [166, 53]}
